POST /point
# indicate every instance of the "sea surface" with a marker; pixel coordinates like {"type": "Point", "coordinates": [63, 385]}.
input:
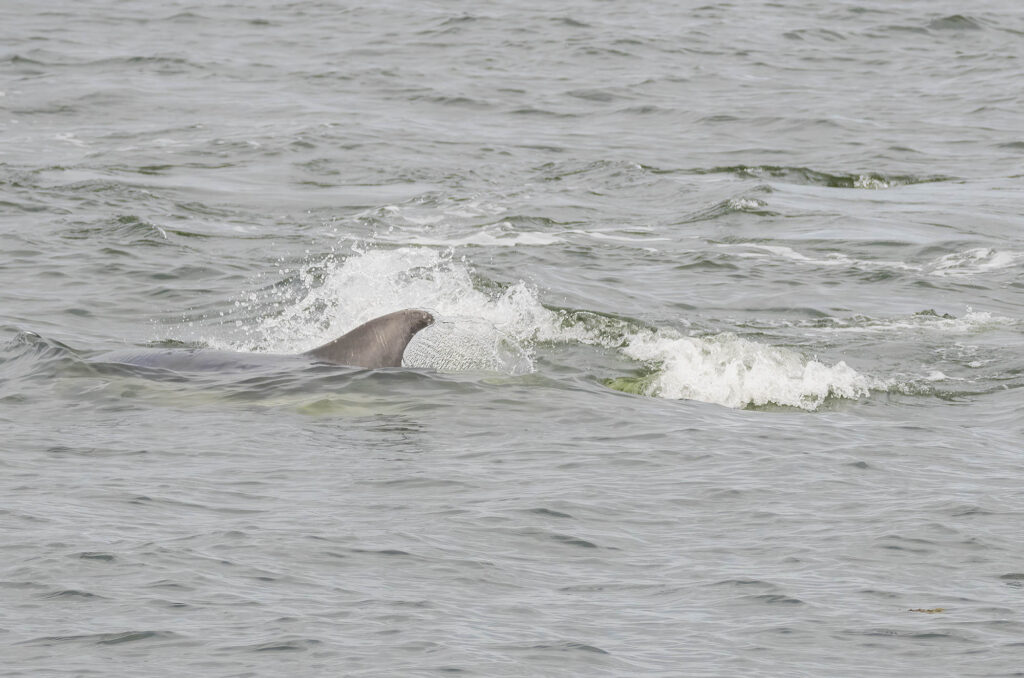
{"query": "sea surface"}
{"type": "Point", "coordinates": [727, 377]}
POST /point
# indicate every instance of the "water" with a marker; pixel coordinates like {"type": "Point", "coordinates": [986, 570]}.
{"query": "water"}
{"type": "Point", "coordinates": [726, 380]}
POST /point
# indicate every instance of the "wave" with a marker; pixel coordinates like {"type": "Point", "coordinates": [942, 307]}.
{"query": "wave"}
{"type": "Point", "coordinates": [805, 175]}
{"type": "Point", "coordinates": [969, 262]}
{"type": "Point", "coordinates": [974, 261]}
{"type": "Point", "coordinates": [734, 205]}
{"type": "Point", "coordinates": [488, 326]}
{"type": "Point", "coordinates": [955, 22]}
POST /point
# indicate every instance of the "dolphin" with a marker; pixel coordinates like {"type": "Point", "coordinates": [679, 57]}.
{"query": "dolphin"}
{"type": "Point", "coordinates": [378, 343]}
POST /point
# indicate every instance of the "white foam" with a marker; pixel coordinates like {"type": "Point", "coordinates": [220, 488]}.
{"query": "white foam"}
{"type": "Point", "coordinates": [830, 259]}
{"type": "Point", "coordinates": [746, 204]}
{"type": "Point", "coordinates": [869, 182]}
{"type": "Point", "coordinates": [455, 226]}
{"type": "Point", "coordinates": [482, 239]}
{"type": "Point", "coordinates": [974, 261]}
{"type": "Point", "coordinates": [735, 372]}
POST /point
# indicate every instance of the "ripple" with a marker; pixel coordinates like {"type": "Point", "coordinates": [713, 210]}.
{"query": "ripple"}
{"type": "Point", "coordinates": [774, 599]}
{"type": "Point", "coordinates": [72, 594]}
{"type": "Point", "coordinates": [573, 541]}
{"type": "Point", "coordinates": [104, 638]}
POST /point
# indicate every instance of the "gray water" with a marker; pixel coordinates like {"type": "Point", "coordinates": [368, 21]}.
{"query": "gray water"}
{"type": "Point", "coordinates": [726, 379]}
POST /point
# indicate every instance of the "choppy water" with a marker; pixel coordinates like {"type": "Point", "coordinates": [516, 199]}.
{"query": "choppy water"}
{"type": "Point", "coordinates": [727, 378]}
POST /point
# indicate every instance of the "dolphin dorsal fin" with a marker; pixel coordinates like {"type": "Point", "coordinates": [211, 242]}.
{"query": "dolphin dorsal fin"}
{"type": "Point", "coordinates": [377, 343]}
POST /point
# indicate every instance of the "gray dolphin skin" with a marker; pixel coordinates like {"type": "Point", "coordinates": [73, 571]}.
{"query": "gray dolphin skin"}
{"type": "Point", "coordinates": [380, 342]}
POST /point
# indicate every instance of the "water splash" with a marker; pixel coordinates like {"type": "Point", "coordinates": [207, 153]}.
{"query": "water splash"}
{"type": "Point", "coordinates": [484, 326]}
{"type": "Point", "coordinates": [475, 330]}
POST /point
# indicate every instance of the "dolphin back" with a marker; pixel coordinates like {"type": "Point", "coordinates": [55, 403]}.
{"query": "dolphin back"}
{"type": "Point", "coordinates": [380, 342]}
